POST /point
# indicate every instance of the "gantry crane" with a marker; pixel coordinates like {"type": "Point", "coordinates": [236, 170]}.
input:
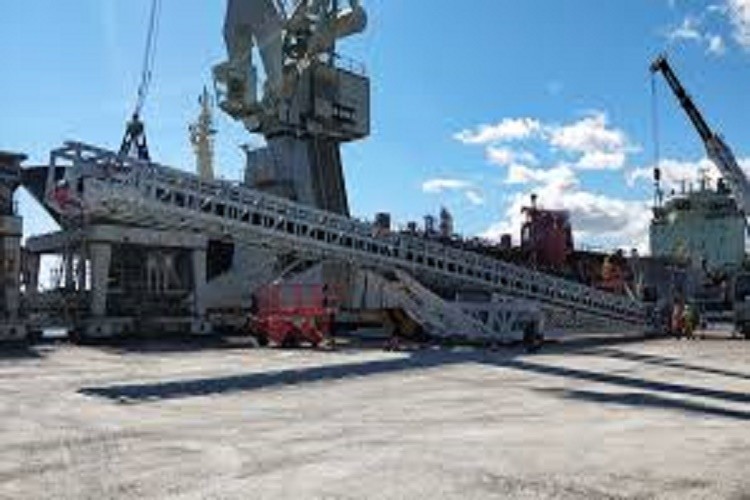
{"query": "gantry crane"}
{"type": "Point", "coordinates": [718, 151]}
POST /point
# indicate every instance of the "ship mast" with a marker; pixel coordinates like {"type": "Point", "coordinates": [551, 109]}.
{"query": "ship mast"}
{"type": "Point", "coordinates": [202, 134]}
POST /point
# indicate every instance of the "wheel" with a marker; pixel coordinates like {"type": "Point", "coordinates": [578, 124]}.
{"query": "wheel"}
{"type": "Point", "coordinates": [77, 337]}
{"type": "Point", "coordinates": [262, 339]}
{"type": "Point", "coordinates": [535, 345]}
{"type": "Point", "coordinates": [291, 341]}
{"type": "Point", "coordinates": [34, 337]}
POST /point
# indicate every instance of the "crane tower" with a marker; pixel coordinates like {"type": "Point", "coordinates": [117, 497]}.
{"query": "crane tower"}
{"type": "Point", "coordinates": [309, 103]}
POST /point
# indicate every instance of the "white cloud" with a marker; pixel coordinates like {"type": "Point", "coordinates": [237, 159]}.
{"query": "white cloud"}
{"type": "Point", "coordinates": [588, 143]}
{"type": "Point", "coordinates": [588, 134]}
{"type": "Point", "coordinates": [509, 129]}
{"type": "Point", "coordinates": [596, 219]}
{"type": "Point", "coordinates": [688, 30]}
{"type": "Point", "coordinates": [435, 186]}
{"type": "Point", "coordinates": [674, 172]}
{"type": "Point", "coordinates": [561, 178]}
{"type": "Point", "coordinates": [504, 157]}
{"type": "Point", "coordinates": [739, 15]}
{"type": "Point", "coordinates": [474, 197]}
{"type": "Point", "coordinates": [599, 146]}
{"type": "Point", "coordinates": [602, 160]}
{"type": "Point", "coordinates": [716, 45]}
{"type": "Point", "coordinates": [593, 143]}
{"type": "Point", "coordinates": [596, 214]}
{"type": "Point", "coordinates": [692, 30]}
{"type": "Point", "coordinates": [469, 190]}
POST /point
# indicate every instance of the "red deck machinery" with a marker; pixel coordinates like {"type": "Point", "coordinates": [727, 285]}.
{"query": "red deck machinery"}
{"type": "Point", "coordinates": [289, 315]}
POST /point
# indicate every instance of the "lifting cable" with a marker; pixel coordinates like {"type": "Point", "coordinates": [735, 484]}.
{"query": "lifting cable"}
{"type": "Point", "coordinates": [655, 121]}
{"type": "Point", "coordinates": [149, 56]}
{"type": "Point", "coordinates": [134, 143]}
{"type": "Point", "coordinates": [656, 137]}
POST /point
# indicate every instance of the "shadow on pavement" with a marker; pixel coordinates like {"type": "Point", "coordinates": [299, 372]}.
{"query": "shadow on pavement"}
{"type": "Point", "coordinates": [655, 394]}
{"type": "Point", "coordinates": [651, 359]}
{"type": "Point", "coordinates": [166, 344]}
{"type": "Point", "coordinates": [625, 381]}
{"type": "Point", "coordinates": [19, 352]}
{"type": "Point", "coordinates": [586, 343]}
{"type": "Point", "coordinates": [642, 399]}
{"type": "Point", "coordinates": [258, 381]}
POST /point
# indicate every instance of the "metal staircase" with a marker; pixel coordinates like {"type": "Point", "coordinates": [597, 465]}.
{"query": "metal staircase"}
{"type": "Point", "coordinates": [127, 191]}
{"type": "Point", "coordinates": [437, 316]}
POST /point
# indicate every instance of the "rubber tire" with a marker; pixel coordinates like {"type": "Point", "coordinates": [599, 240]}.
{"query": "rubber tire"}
{"type": "Point", "coordinates": [34, 337]}
{"type": "Point", "coordinates": [262, 340]}
{"type": "Point", "coordinates": [291, 341]}
{"type": "Point", "coordinates": [76, 337]}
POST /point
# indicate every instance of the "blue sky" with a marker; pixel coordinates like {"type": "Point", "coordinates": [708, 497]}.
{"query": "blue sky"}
{"type": "Point", "coordinates": [473, 108]}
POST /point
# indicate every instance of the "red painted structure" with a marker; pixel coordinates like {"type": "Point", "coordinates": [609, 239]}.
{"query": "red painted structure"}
{"type": "Point", "coordinates": [291, 314]}
{"type": "Point", "coordinates": [546, 236]}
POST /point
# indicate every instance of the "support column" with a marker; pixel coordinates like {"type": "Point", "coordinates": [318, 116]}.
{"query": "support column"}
{"type": "Point", "coordinates": [33, 264]}
{"type": "Point", "coordinates": [81, 269]}
{"type": "Point", "coordinates": [199, 282]}
{"type": "Point", "coordinates": [11, 327]}
{"type": "Point", "coordinates": [68, 269]}
{"type": "Point", "coordinates": [101, 257]}
{"type": "Point", "coordinates": [11, 273]}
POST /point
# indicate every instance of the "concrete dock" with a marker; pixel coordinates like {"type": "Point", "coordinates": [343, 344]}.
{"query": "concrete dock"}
{"type": "Point", "coordinates": [586, 419]}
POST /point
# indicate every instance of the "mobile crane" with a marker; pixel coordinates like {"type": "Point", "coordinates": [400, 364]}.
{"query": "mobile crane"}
{"type": "Point", "coordinates": [723, 157]}
{"type": "Point", "coordinates": [718, 151]}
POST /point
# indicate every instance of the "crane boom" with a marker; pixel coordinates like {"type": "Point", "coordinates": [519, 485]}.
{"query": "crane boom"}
{"type": "Point", "coordinates": [717, 150]}
{"type": "Point", "coordinates": [661, 64]}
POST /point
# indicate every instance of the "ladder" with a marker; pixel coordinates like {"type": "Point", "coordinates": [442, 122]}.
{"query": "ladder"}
{"type": "Point", "coordinates": [133, 192]}
{"type": "Point", "coordinates": [438, 317]}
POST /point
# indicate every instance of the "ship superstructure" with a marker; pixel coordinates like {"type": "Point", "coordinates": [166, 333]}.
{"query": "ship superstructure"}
{"type": "Point", "coordinates": [703, 228]}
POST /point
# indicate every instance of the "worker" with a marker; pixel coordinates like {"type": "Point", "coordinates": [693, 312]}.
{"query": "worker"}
{"type": "Point", "coordinates": [678, 318]}
{"type": "Point", "coordinates": [329, 310]}
{"type": "Point", "coordinates": [690, 321]}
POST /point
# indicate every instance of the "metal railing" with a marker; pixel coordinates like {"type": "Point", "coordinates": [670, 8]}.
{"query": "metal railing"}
{"type": "Point", "coordinates": [132, 192]}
